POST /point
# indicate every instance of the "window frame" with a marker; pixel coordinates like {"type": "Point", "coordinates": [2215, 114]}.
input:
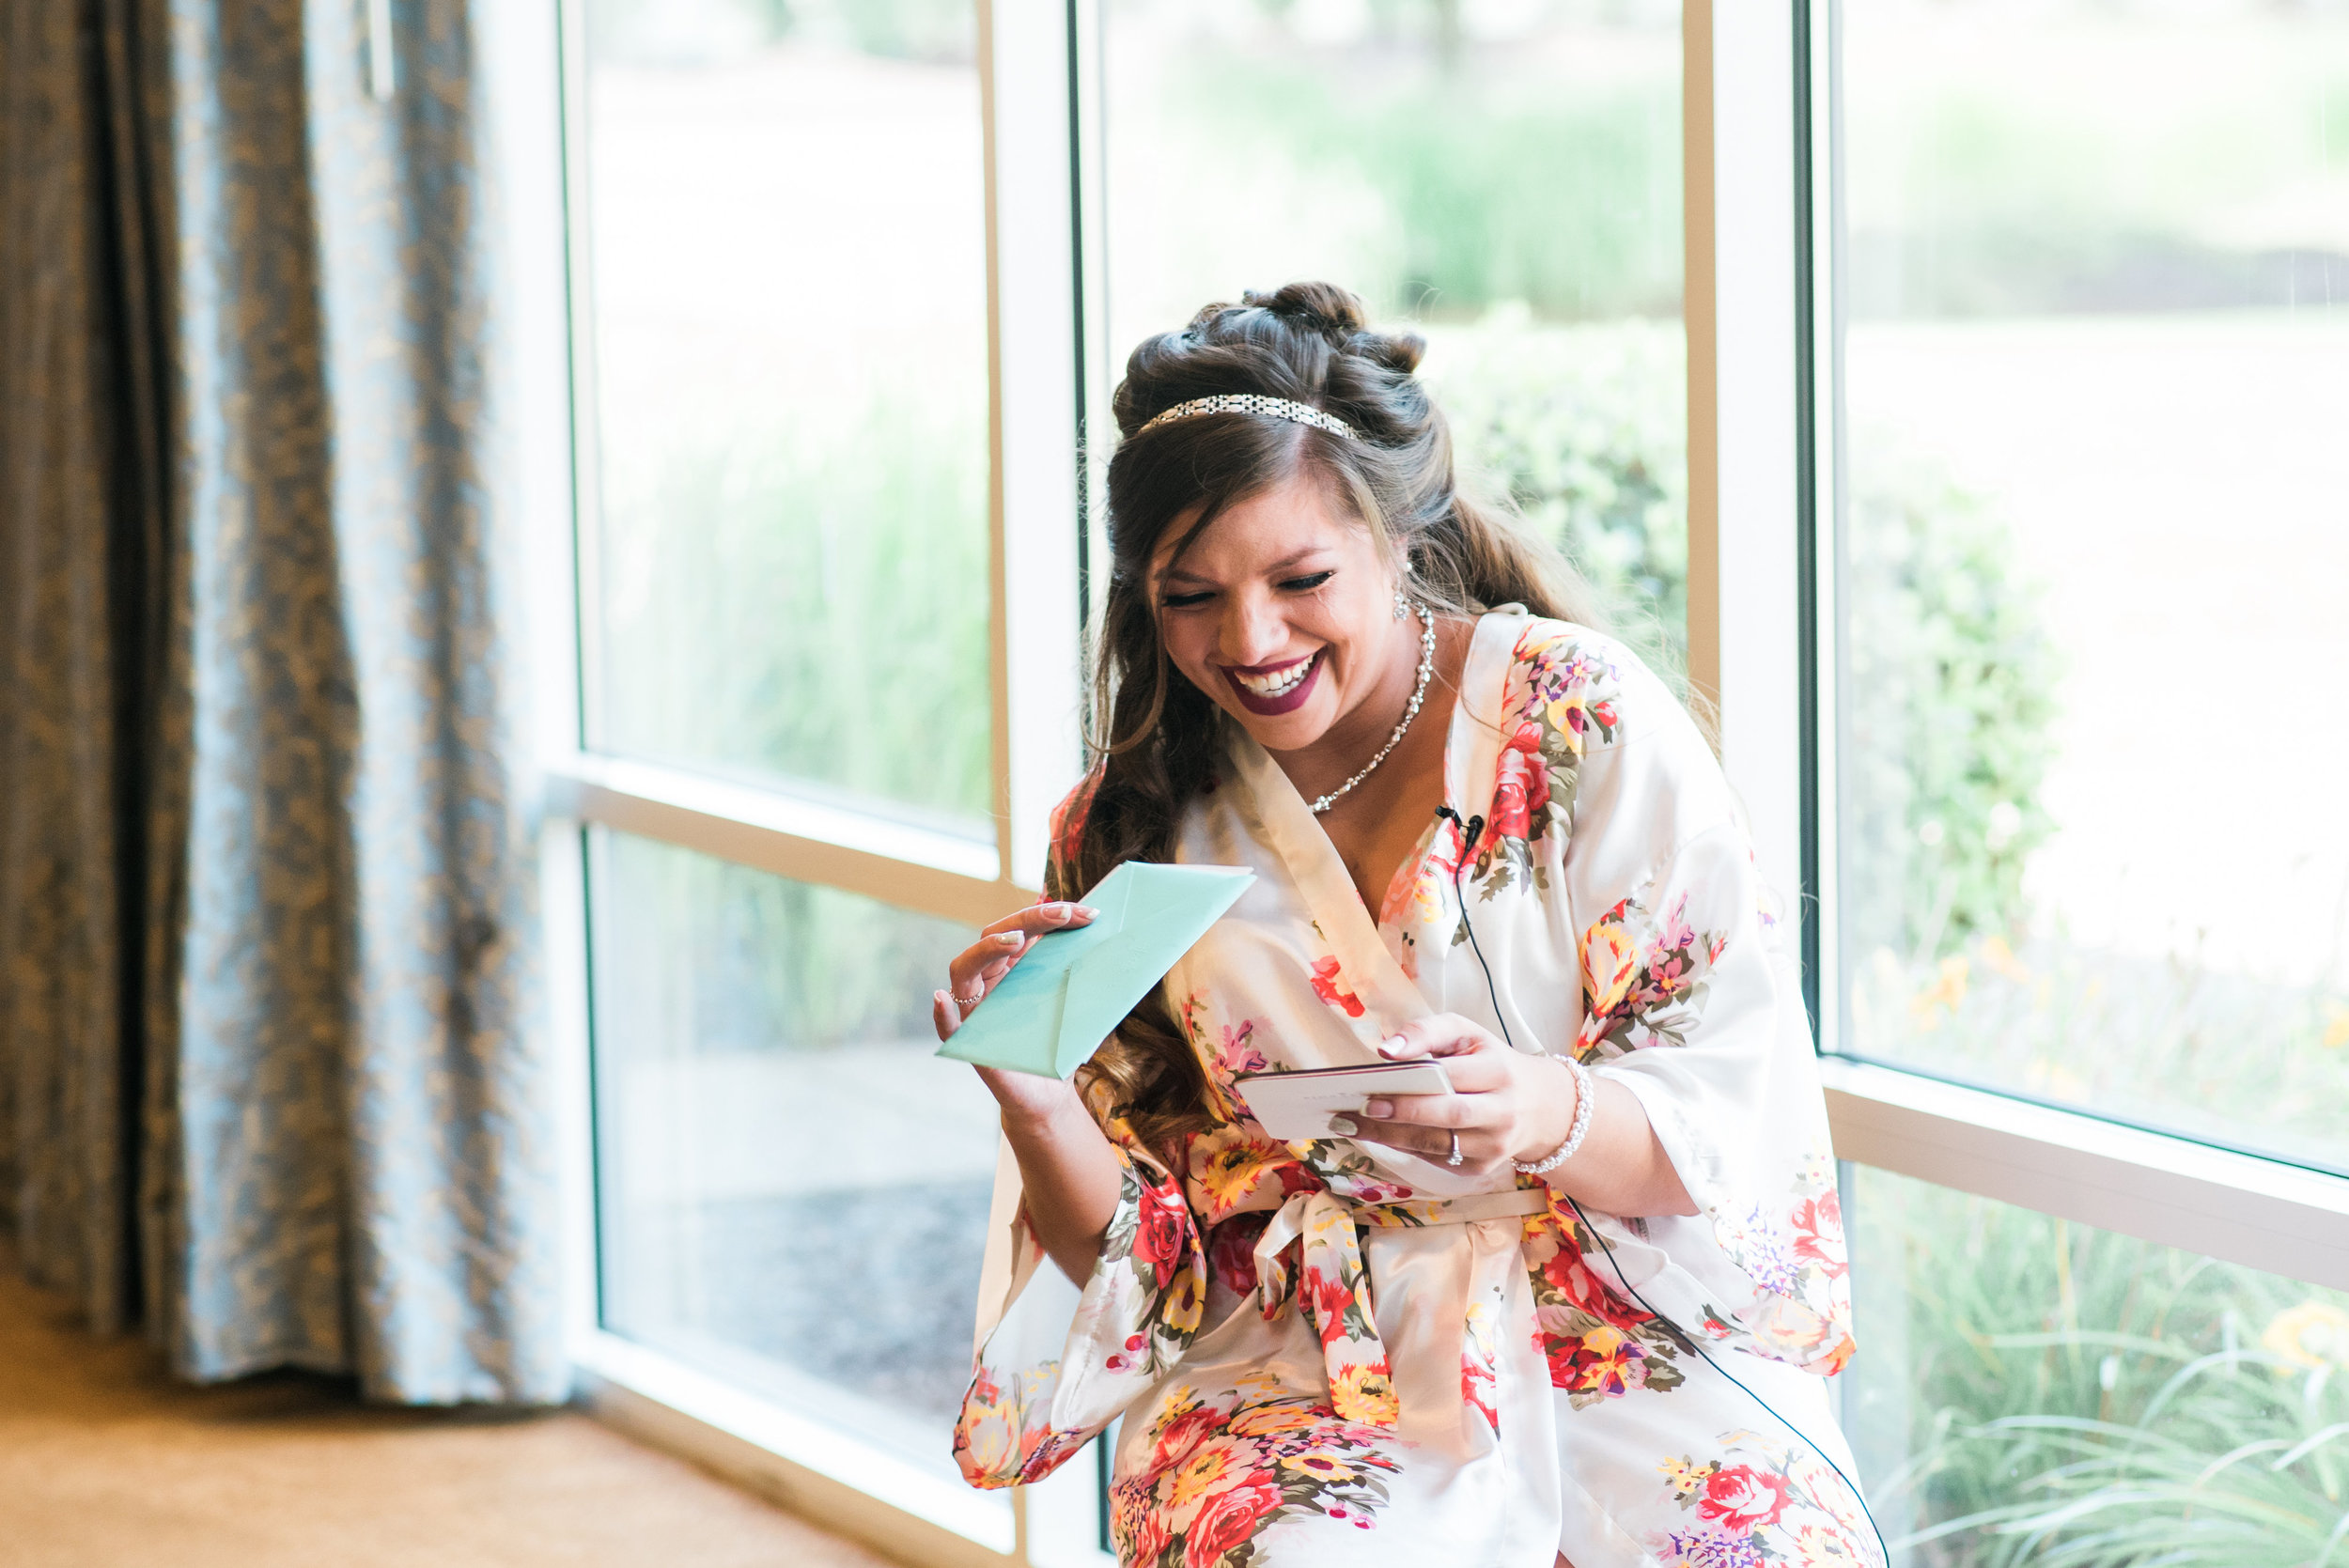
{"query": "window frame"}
{"type": "Point", "coordinates": [1760, 178]}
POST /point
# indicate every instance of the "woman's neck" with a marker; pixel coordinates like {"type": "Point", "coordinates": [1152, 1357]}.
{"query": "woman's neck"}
{"type": "Point", "coordinates": [1358, 734]}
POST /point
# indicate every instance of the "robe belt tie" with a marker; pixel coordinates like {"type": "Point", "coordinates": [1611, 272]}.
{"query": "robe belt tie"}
{"type": "Point", "coordinates": [1335, 1291]}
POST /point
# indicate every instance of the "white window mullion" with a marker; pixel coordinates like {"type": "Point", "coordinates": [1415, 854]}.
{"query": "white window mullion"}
{"type": "Point", "coordinates": [807, 840]}
{"type": "Point", "coordinates": [2259, 1213]}
{"type": "Point", "coordinates": [1743, 597]}
{"type": "Point", "coordinates": [1032, 339]}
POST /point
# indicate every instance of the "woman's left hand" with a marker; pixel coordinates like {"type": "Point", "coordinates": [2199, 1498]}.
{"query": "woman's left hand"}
{"type": "Point", "coordinates": [1505, 1105]}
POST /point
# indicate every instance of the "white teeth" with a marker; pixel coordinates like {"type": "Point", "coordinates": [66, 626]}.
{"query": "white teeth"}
{"type": "Point", "coordinates": [1280, 682]}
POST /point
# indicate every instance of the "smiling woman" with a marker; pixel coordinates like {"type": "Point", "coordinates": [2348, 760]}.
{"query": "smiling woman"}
{"type": "Point", "coordinates": [1563, 1312]}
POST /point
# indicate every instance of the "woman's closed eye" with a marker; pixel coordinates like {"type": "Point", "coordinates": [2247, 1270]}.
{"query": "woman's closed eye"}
{"type": "Point", "coordinates": [1309, 582]}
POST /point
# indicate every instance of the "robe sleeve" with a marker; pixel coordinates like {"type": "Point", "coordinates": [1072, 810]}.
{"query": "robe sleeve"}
{"type": "Point", "coordinates": [1690, 1001]}
{"type": "Point", "coordinates": [1053, 1365]}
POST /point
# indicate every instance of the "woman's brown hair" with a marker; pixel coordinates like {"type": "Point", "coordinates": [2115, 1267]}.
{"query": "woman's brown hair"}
{"type": "Point", "coordinates": [1155, 737]}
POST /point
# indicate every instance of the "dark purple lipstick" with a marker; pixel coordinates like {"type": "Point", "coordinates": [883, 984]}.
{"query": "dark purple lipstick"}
{"type": "Point", "coordinates": [1288, 701]}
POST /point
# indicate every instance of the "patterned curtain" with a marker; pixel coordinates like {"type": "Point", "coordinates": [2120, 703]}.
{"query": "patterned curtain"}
{"type": "Point", "coordinates": [270, 1076]}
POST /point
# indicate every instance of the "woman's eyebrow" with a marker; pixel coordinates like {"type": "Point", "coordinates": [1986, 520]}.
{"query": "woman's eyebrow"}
{"type": "Point", "coordinates": [1172, 573]}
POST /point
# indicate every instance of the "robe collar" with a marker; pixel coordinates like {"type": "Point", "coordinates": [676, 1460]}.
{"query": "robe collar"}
{"type": "Point", "coordinates": [1471, 751]}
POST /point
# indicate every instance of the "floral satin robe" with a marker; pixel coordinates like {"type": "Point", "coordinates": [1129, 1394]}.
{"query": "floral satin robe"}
{"type": "Point", "coordinates": [1329, 1353]}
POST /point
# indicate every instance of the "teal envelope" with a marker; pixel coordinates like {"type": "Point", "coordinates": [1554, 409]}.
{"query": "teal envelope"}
{"type": "Point", "coordinates": [1072, 988]}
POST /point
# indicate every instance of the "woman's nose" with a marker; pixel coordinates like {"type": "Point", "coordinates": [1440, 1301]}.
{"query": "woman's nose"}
{"type": "Point", "coordinates": [1252, 632]}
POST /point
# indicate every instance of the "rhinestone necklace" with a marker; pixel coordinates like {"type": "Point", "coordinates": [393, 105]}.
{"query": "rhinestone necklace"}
{"type": "Point", "coordinates": [1419, 694]}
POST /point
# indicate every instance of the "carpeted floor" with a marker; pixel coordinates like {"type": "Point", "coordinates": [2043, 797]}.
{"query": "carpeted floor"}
{"type": "Point", "coordinates": [105, 1463]}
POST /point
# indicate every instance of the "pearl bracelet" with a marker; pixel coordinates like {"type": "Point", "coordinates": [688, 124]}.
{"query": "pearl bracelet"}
{"type": "Point", "coordinates": [1584, 1092]}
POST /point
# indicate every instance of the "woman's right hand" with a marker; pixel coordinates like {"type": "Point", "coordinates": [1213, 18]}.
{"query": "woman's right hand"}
{"type": "Point", "coordinates": [1071, 1175]}
{"type": "Point", "coordinates": [976, 970]}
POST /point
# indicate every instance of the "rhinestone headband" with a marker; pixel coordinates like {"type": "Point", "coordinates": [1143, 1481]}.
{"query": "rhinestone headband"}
{"type": "Point", "coordinates": [1248, 402]}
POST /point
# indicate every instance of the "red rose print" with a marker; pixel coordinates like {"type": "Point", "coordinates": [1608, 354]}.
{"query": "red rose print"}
{"type": "Point", "coordinates": [1520, 784]}
{"type": "Point", "coordinates": [1181, 1435]}
{"type": "Point", "coordinates": [1330, 1299]}
{"type": "Point", "coordinates": [1819, 1231]}
{"type": "Point", "coordinates": [1067, 825]}
{"type": "Point", "coordinates": [1573, 1278]}
{"type": "Point", "coordinates": [1232, 1249]}
{"type": "Point", "coordinates": [1158, 1236]}
{"type": "Point", "coordinates": [1743, 1499]}
{"type": "Point", "coordinates": [1149, 1538]}
{"type": "Point", "coordinates": [1330, 987]}
{"type": "Point", "coordinates": [1228, 1520]}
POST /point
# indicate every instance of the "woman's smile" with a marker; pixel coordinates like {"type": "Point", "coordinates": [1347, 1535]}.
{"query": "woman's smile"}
{"type": "Point", "coordinates": [1271, 688]}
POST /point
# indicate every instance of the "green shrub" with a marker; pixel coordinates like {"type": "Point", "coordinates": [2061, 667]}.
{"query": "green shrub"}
{"type": "Point", "coordinates": [810, 604]}
{"type": "Point", "coordinates": [2072, 1396]}
{"type": "Point", "coordinates": [1566, 201]}
{"type": "Point", "coordinates": [1585, 427]}
{"type": "Point", "coordinates": [1949, 692]}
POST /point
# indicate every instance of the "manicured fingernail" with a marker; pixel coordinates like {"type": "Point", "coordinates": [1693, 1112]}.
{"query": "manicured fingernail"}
{"type": "Point", "coordinates": [1010, 939]}
{"type": "Point", "coordinates": [1379, 1110]}
{"type": "Point", "coordinates": [1393, 1044]}
{"type": "Point", "coordinates": [1344, 1127]}
{"type": "Point", "coordinates": [1087, 911]}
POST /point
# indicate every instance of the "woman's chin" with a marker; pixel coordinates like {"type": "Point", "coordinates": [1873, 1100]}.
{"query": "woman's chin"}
{"type": "Point", "coordinates": [1286, 732]}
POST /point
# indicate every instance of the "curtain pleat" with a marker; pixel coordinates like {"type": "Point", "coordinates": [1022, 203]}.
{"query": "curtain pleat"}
{"type": "Point", "coordinates": [276, 984]}
{"type": "Point", "coordinates": [80, 518]}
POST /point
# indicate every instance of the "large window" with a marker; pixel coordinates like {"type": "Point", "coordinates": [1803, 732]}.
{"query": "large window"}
{"type": "Point", "coordinates": [2081, 279]}
{"type": "Point", "coordinates": [1953, 391]}
{"type": "Point", "coordinates": [2095, 287]}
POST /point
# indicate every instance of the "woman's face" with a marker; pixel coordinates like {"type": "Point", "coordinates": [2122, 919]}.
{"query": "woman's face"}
{"type": "Point", "coordinates": [1282, 612]}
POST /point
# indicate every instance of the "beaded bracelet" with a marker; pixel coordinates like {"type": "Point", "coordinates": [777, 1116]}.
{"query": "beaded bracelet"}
{"type": "Point", "coordinates": [1584, 1092]}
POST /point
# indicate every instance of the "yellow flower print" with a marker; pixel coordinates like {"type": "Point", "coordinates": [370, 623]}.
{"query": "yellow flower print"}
{"type": "Point", "coordinates": [1262, 1386]}
{"type": "Point", "coordinates": [1817, 1547]}
{"type": "Point", "coordinates": [1228, 1165]}
{"type": "Point", "coordinates": [2313, 1336]}
{"type": "Point", "coordinates": [1271, 1420]}
{"type": "Point", "coordinates": [1202, 1474]}
{"type": "Point", "coordinates": [1686, 1476]}
{"type": "Point", "coordinates": [1185, 1298]}
{"type": "Point", "coordinates": [1320, 1466]}
{"type": "Point", "coordinates": [1220, 1466]}
{"type": "Point", "coordinates": [1365, 1394]}
{"type": "Point", "coordinates": [990, 1441]}
{"type": "Point", "coordinates": [1611, 966]}
{"type": "Point", "coordinates": [1561, 715]}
